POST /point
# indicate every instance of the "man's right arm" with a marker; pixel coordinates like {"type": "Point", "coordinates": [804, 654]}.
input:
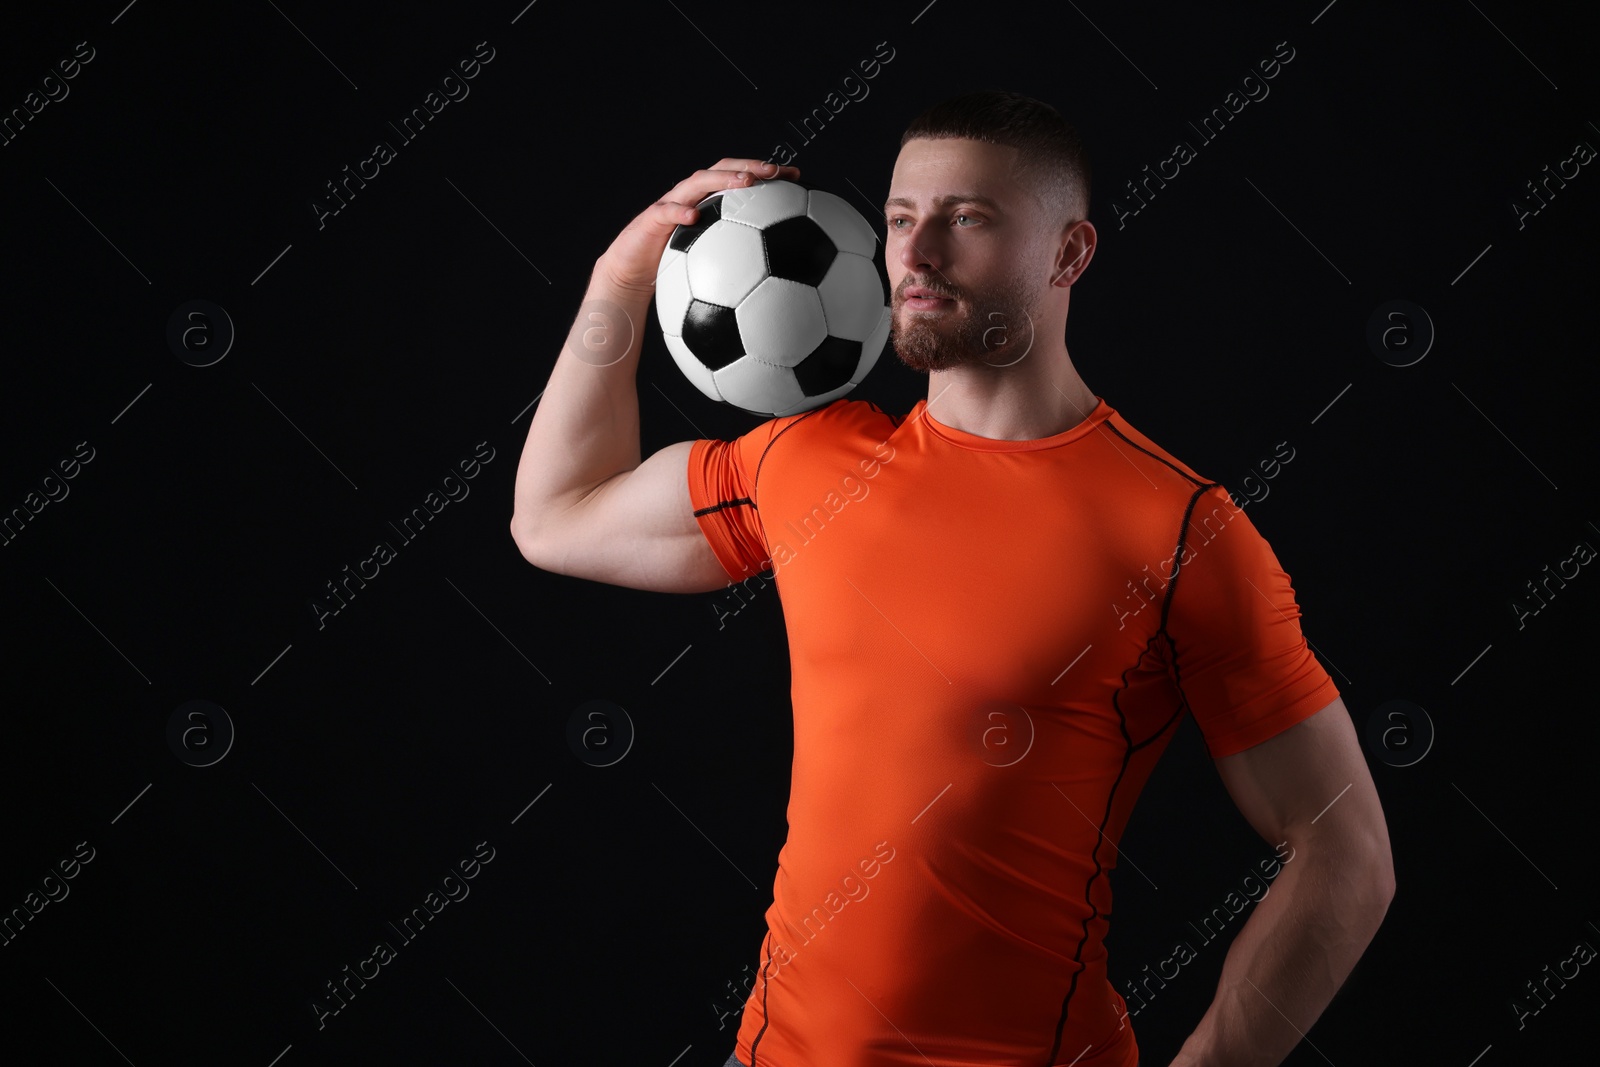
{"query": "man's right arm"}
{"type": "Point", "coordinates": [585, 504]}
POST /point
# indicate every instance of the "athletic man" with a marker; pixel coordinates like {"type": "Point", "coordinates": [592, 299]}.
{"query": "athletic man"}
{"type": "Point", "coordinates": [999, 606]}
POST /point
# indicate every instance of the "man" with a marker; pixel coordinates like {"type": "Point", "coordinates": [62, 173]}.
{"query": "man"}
{"type": "Point", "coordinates": [999, 607]}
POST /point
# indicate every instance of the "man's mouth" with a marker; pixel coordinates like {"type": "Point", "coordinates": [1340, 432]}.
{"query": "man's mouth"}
{"type": "Point", "coordinates": [919, 299]}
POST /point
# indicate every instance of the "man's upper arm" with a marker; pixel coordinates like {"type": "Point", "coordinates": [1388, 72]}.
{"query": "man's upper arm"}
{"type": "Point", "coordinates": [1310, 780]}
{"type": "Point", "coordinates": [636, 529]}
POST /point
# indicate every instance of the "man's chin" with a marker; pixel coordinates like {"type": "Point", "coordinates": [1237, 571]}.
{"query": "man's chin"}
{"type": "Point", "coordinates": [921, 348]}
{"type": "Point", "coordinates": [925, 362]}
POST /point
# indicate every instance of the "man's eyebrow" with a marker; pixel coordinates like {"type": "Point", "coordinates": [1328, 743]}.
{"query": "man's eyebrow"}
{"type": "Point", "coordinates": [946, 201]}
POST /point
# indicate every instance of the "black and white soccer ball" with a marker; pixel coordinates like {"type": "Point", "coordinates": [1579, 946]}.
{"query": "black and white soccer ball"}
{"type": "Point", "coordinates": [770, 300]}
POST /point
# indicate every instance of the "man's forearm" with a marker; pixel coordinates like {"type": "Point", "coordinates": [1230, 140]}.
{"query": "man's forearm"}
{"type": "Point", "coordinates": [1291, 956]}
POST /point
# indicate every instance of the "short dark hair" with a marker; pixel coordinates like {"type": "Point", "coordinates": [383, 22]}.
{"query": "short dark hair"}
{"type": "Point", "coordinates": [1051, 159]}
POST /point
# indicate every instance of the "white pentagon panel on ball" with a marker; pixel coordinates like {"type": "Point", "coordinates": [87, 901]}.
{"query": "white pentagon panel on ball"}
{"type": "Point", "coordinates": [764, 203]}
{"type": "Point", "coordinates": [758, 386]}
{"type": "Point", "coordinates": [843, 223]}
{"type": "Point", "coordinates": [672, 291]}
{"type": "Point", "coordinates": [725, 263]}
{"type": "Point", "coordinates": [781, 321]}
{"type": "Point", "coordinates": [852, 297]}
{"type": "Point", "coordinates": [698, 373]}
{"type": "Point", "coordinates": [872, 347]}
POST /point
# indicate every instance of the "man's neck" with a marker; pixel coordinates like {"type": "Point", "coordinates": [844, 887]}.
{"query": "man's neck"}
{"type": "Point", "coordinates": [1012, 403]}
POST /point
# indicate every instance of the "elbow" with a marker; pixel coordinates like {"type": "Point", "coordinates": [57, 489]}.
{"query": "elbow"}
{"type": "Point", "coordinates": [1361, 861]}
{"type": "Point", "coordinates": [522, 535]}
{"type": "Point", "coordinates": [1376, 863]}
{"type": "Point", "coordinates": [1380, 862]}
{"type": "Point", "coordinates": [1384, 875]}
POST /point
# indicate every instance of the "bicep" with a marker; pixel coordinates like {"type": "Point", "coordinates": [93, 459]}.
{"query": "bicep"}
{"type": "Point", "coordinates": [635, 529]}
{"type": "Point", "coordinates": [1310, 779]}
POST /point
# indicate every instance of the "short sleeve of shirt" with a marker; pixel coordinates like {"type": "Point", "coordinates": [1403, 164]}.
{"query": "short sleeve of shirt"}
{"type": "Point", "coordinates": [722, 477]}
{"type": "Point", "coordinates": [1239, 656]}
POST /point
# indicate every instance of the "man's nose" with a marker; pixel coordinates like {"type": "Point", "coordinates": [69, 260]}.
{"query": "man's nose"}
{"type": "Point", "coordinates": [921, 251]}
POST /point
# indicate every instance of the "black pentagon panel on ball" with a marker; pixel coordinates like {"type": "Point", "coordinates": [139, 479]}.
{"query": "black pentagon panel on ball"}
{"type": "Point", "coordinates": [799, 250]}
{"type": "Point", "coordinates": [712, 333]}
{"type": "Point", "coordinates": [828, 366]}
{"type": "Point", "coordinates": [710, 213]}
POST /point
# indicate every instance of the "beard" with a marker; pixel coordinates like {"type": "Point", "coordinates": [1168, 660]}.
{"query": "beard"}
{"type": "Point", "coordinates": [991, 325]}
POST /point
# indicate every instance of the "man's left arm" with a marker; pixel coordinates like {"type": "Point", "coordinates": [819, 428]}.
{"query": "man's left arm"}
{"type": "Point", "coordinates": [1307, 786]}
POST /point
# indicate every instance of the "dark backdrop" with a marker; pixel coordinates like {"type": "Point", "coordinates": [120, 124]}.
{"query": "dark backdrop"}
{"type": "Point", "coordinates": [174, 527]}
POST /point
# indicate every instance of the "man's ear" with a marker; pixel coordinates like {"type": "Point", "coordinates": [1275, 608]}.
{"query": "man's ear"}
{"type": "Point", "coordinates": [1077, 248]}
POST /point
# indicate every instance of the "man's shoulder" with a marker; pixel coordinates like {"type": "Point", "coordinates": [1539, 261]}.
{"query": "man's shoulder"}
{"type": "Point", "coordinates": [1153, 454]}
{"type": "Point", "coordinates": [841, 418]}
{"type": "Point", "coordinates": [825, 438]}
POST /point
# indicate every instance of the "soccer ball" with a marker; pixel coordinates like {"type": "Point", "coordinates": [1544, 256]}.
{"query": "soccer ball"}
{"type": "Point", "coordinates": [770, 300]}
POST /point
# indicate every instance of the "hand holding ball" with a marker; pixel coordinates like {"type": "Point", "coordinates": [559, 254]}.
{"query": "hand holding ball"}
{"type": "Point", "coordinates": [770, 300]}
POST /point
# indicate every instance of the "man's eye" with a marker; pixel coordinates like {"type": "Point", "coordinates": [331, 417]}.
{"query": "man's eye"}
{"type": "Point", "coordinates": [963, 216]}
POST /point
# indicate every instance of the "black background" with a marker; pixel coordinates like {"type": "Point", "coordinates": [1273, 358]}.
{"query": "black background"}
{"type": "Point", "coordinates": [376, 750]}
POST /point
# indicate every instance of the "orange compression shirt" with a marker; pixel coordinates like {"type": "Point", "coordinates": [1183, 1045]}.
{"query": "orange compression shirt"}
{"type": "Point", "coordinates": [989, 651]}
